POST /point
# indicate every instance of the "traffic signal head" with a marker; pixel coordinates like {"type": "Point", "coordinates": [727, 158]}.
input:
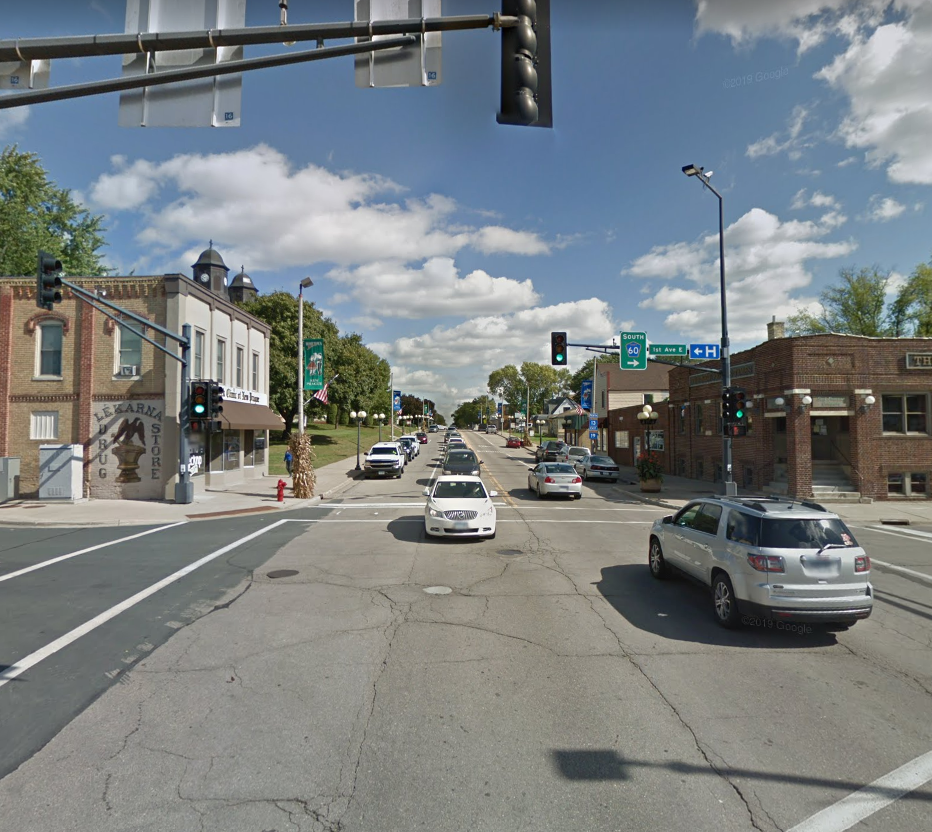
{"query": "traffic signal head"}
{"type": "Point", "coordinates": [198, 400]}
{"type": "Point", "coordinates": [216, 399]}
{"type": "Point", "coordinates": [728, 405]}
{"type": "Point", "coordinates": [48, 281]}
{"type": "Point", "coordinates": [526, 85]}
{"type": "Point", "coordinates": [741, 409]}
{"type": "Point", "coordinates": [558, 348]}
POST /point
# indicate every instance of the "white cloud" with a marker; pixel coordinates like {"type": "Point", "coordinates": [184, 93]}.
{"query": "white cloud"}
{"type": "Point", "coordinates": [793, 145]}
{"type": "Point", "coordinates": [12, 120]}
{"type": "Point", "coordinates": [883, 209]}
{"type": "Point", "coordinates": [434, 289]}
{"type": "Point", "coordinates": [817, 200]}
{"type": "Point", "coordinates": [765, 264]}
{"type": "Point", "coordinates": [845, 162]}
{"type": "Point", "coordinates": [269, 215]}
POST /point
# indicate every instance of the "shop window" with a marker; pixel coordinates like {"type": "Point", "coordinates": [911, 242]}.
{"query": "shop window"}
{"type": "Point", "coordinates": [231, 447]}
{"type": "Point", "coordinates": [656, 440]}
{"type": "Point", "coordinates": [249, 441]}
{"type": "Point", "coordinates": [919, 484]}
{"type": "Point", "coordinates": [197, 452]}
{"type": "Point", "coordinates": [905, 413]}
{"type": "Point", "coordinates": [43, 424]}
{"type": "Point", "coordinates": [49, 346]}
{"type": "Point", "coordinates": [259, 456]}
{"type": "Point", "coordinates": [198, 355]}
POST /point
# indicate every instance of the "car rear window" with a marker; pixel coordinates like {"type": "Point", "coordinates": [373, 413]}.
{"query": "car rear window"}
{"type": "Point", "coordinates": [560, 468]}
{"type": "Point", "coordinates": [601, 460]}
{"type": "Point", "coordinates": [461, 456]}
{"type": "Point", "coordinates": [809, 533]}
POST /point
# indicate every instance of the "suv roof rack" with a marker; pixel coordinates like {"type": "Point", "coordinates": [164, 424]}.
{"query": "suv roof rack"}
{"type": "Point", "coordinates": [765, 504]}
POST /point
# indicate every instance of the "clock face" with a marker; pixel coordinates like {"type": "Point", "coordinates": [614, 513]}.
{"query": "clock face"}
{"type": "Point", "coordinates": [204, 277]}
{"type": "Point", "coordinates": [224, 280]}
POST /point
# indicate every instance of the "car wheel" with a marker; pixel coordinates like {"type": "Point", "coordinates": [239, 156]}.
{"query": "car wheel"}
{"type": "Point", "coordinates": [585, 476]}
{"type": "Point", "coordinates": [724, 602]}
{"type": "Point", "coordinates": [658, 566]}
{"type": "Point", "coordinates": [491, 536]}
{"type": "Point", "coordinates": [577, 496]}
{"type": "Point", "coordinates": [540, 494]}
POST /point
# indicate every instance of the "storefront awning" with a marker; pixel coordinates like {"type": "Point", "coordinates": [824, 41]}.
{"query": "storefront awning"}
{"type": "Point", "coordinates": [240, 416]}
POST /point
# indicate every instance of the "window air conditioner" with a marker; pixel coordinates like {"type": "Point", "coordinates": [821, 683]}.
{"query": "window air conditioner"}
{"type": "Point", "coordinates": [129, 370]}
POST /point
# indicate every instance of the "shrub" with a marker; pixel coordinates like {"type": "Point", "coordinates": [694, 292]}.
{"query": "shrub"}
{"type": "Point", "coordinates": [650, 466]}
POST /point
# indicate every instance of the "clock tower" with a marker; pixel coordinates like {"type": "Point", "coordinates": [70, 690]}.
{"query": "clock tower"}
{"type": "Point", "coordinates": [211, 272]}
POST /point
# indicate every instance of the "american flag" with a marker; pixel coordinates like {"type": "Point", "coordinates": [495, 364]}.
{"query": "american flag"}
{"type": "Point", "coordinates": [321, 395]}
{"type": "Point", "coordinates": [579, 411]}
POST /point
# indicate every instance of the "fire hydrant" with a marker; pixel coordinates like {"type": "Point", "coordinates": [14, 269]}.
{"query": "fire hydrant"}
{"type": "Point", "coordinates": [281, 491]}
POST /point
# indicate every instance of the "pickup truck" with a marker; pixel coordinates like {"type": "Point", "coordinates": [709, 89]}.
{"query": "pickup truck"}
{"type": "Point", "coordinates": [385, 459]}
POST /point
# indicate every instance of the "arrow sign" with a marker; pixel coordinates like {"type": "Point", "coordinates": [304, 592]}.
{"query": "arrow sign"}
{"type": "Point", "coordinates": [708, 351]}
{"type": "Point", "coordinates": [633, 352]}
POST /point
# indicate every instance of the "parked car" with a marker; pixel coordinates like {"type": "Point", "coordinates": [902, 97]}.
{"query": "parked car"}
{"type": "Point", "coordinates": [421, 437]}
{"type": "Point", "coordinates": [548, 478]}
{"type": "Point", "coordinates": [411, 445]}
{"type": "Point", "coordinates": [549, 445]}
{"type": "Point", "coordinates": [385, 459]}
{"type": "Point", "coordinates": [491, 429]}
{"type": "Point", "coordinates": [459, 506]}
{"type": "Point", "coordinates": [597, 467]}
{"type": "Point", "coordinates": [513, 442]}
{"type": "Point", "coordinates": [575, 452]}
{"type": "Point", "coordinates": [434, 429]}
{"type": "Point", "coordinates": [462, 462]}
{"type": "Point", "coordinates": [768, 561]}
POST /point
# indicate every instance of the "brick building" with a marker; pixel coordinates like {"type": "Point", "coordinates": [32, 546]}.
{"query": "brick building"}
{"type": "Point", "coordinates": [75, 376]}
{"type": "Point", "coordinates": [830, 415]}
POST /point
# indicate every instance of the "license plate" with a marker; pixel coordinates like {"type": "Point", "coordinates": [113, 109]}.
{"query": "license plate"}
{"type": "Point", "coordinates": [564, 488]}
{"type": "Point", "coordinates": [381, 473]}
{"type": "Point", "coordinates": [460, 524]}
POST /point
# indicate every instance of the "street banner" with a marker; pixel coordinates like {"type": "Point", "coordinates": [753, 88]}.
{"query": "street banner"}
{"type": "Point", "coordinates": [396, 401]}
{"type": "Point", "coordinates": [585, 394]}
{"type": "Point", "coordinates": [313, 363]}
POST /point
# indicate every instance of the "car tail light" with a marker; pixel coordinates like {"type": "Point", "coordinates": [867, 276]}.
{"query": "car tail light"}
{"type": "Point", "coordinates": [862, 563]}
{"type": "Point", "coordinates": [549, 479]}
{"type": "Point", "coordinates": [767, 563]}
{"type": "Point", "coordinates": [578, 479]}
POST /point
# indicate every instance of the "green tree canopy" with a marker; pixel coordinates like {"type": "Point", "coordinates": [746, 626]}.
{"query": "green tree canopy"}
{"type": "Point", "coordinates": [857, 306]}
{"type": "Point", "coordinates": [585, 372]}
{"type": "Point", "coordinates": [911, 312]}
{"type": "Point", "coordinates": [364, 377]}
{"type": "Point", "coordinates": [36, 215]}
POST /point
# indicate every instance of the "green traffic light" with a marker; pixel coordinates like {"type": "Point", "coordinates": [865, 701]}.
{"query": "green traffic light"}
{"type": "Point", "coordinates": [559, 356]}
{"type": "Point", "coordinates": [739, 414]}
{"type": "Point", "coordinates": [199, 409]}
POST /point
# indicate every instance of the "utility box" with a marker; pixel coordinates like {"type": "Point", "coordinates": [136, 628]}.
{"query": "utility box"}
{"type": "Point", "coordinates": [9, 478]}
{"type": "Point", "coordinates": [61, 472]}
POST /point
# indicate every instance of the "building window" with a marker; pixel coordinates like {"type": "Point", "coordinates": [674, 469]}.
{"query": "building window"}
{"type": "Point", "coordinates": [198, 355]}
{"type": "Point", "coordinates": [906, 413]}
{"type": "Point", "coordinates": [681, 466]}
{"type": "Point", "coordinates": [259, 458]}
{"type": "Point", "coordinates": [231, 446]}
{"type": "Point", "coordinates": [717, 472]}
{"type": "Point", "coordinates": [699, 419]}
{"type": "Point", "coordinates": [130, 349]}
{"type": "Point", "coordinates": [240, 360]}
{"type": "Point", "coordinates": [748, 476]}
{"type": "Point", "coordinates": [44, 424]}
{"type": "Point", "coordinates": [682, 420]}
{"type": "Point", "coordinates": [699, 468]}
{"type": "Point", "coordinates": [648, 398]}
{"type": "Point", "coordinates": [908, 485]}
{"type": "Point", "coordinates": [249, 444]}
{"type": "Point", "coordinates": [255, 371]}
{"type": "Point", "coordinates": [656, 440]}
{"type": "Point", "coordinates": [49, 346]}
{"type": "Point", "coordinates": [621, 439]}
{"type": "Point", "coordinates": [221, 359]}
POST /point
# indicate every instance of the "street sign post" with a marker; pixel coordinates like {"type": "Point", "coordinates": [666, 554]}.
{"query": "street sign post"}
{"type": "Point", "coordinates": [633, 354]}
{"type": "Point", "coordinates": [706, 351]}
{"type": "Point", "coordinates": [668, 349]}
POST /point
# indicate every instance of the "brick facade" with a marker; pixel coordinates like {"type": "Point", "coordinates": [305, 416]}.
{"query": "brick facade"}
{"type": "Point", "coordinates": [786, 444]}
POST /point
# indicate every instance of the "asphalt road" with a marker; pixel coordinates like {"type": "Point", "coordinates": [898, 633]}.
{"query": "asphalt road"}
{"type": "Point", "coordinates": [539, 681]}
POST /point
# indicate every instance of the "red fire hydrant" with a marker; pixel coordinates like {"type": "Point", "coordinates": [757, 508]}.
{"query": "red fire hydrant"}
{"type": "Point", "coordinates": [281, 491]}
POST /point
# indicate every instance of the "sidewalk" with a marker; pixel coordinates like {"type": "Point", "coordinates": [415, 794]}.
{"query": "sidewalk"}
{"type": "Point", "coordinates": [251, 497]}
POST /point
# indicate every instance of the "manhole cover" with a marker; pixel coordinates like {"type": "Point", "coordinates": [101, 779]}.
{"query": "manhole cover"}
{"type": "Point", "coordinates": [438, 590]}
{"type": "Point", "coordinates": [510, 552]}
{"type": "Point", "coordinates": [281, 573]}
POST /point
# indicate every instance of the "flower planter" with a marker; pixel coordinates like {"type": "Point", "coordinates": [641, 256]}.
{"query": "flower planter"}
{"type": "Point", "coordinates": [652, 485]}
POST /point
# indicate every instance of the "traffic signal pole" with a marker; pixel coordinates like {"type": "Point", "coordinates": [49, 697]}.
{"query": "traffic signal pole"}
{"type": "Point", "coordinates": [184, 488]}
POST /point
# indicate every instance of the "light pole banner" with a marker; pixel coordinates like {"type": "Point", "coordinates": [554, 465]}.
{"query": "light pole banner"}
{"type": "Point", "coordinates": [585, 394]}
{"type": "Point", "coordinates": [313, 363]}
{"type": "Point", "coordinates": [396, 401]}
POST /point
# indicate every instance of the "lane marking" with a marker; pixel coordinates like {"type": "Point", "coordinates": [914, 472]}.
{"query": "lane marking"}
{"type": "Point", "coordinates": [60, 558]}
{"type": "Point", "coordinates": [324, 521]}
{"type": "Point", "coordinates": [904, 532]}
{"type": "Point", "coordinates": [871, 799]}
{"type": "Point", "coordinates": [912, 573]}
{"type": "Point", "coordinates": [27, 662]}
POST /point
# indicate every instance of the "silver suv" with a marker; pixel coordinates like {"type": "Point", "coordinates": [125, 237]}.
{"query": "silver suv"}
{"type": "Point", "coordinates": [766, 560]}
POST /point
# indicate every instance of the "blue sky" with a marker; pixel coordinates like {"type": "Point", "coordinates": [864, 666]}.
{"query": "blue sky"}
{"type": "Point", "coordinates": [454, 245]}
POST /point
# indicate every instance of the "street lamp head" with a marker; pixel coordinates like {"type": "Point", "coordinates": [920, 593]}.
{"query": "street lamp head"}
{"type": "Point", "coordinates": [307, 282]}
{"type": "Point", "coordinates": [691, 170]}
{"type": "Point", "coordinates": [352, 414]}
{"type": "Point", "coordinates": [362, 414]}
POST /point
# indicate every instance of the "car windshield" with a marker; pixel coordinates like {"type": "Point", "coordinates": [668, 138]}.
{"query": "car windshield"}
{"type": "Point", "coordinates": [559, 468]}
{"type": "Point", "coordinates": [601, 460]}
{"type": "Point", "coordinates": [462, 457]}
{"type": "Point", "coordinates": [384, 450]}
{"type": "Point", "coordinates": [459, 490]}
{"type": "Point", "coordinates": [780, 533]}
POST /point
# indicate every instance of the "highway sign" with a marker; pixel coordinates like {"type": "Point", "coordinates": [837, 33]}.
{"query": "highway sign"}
{"type": "Point", "coordinates": [593, 434]}
{"type": "Point", "coordinates": [704, 351]}
{"type": "Point", "coordinates": [633, 353]}
{"type": "Point", "coordinates": [668, 349]}
{"type": "Point", "coordinates": [594, 424]}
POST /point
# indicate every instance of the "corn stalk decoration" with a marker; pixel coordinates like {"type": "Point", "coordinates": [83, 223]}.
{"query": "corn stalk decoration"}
{"type": "Point", "coordinates": [302, 466]}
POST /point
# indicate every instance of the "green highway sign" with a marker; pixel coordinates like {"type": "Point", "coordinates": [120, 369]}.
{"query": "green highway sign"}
{"type": "Point", "coordinates": [668, 349]}
{"type": "Point", "coordinates": [633, 353]}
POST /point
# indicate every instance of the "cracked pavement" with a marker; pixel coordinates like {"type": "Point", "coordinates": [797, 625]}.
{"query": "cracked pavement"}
{"type": "Point", "coordinates": [557, 689]}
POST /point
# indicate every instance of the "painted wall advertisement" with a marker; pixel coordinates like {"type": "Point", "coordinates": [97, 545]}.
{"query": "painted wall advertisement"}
{"type": "Point", "coordinates": [126, 452]}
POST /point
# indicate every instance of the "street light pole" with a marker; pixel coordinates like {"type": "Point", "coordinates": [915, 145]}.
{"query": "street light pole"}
{"type": "Point", "coordinates": [358, 417]}
{"type": "Point", "coordinates": [731, 487]}
{"type": "Point", "coordinates": [304, 283]}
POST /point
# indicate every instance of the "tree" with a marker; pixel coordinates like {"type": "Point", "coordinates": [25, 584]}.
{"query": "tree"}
{"type": "Point", "coordinates": [36, 215]}
{"type": "Point", "coordinates": [585, 372]}
{"type": "Point", "coordinates": [911, 313]}
{"type": "Point", "coordinates": [280, 311]}
{"type": "Point", "coordinates": [856, 307]}
{"type": "Point", "coordinates": [364, 377]}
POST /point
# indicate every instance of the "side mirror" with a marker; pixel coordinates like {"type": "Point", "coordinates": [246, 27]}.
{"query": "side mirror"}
{"type": "Point", "coordinates": [668, 520]}
{"type": "Point", "coordinates": [493, 493]}
{"type": "Point", "coordinates": [427, 494]}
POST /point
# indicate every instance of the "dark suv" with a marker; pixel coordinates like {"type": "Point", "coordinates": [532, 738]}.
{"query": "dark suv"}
{"type": "Point", "coordinates": [766, 560]}
{"type": "Point", "coordinates": [554, 450]}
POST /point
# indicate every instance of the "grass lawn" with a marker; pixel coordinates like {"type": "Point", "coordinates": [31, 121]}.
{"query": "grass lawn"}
{"type": "Point", "coordinates": [330, 445]}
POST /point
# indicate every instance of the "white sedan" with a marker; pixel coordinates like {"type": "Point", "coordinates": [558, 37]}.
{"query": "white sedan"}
{"type": "Point", "coordinates": [555, 478]}
{"type": "Point", "coordinates": [459, 506]}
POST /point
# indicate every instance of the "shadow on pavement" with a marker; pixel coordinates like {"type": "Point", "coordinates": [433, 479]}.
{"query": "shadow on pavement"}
{"type": "Point", "coordinates": [680, 610]}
